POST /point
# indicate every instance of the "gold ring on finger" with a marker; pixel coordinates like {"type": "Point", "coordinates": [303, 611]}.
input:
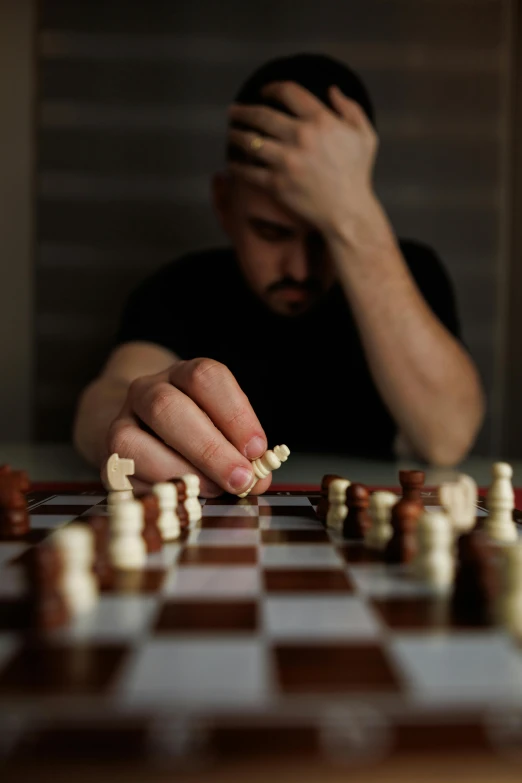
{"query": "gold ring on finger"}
{"type": "Point", "coordinates": [256, 143]}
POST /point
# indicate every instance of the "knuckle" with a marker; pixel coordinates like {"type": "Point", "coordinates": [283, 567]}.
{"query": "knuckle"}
{"type": "Point", "coordinates": [206, 371]}
{"type": "Point", "coordinates": [122, 440]}
{"type": "Point", "coordinates": [159, 401]}
{"type": "Point", "coordinates": [211, 451]}
{"type": "Point", "coordinates": [305, 135]}
{"type": "Point", "coordinates": [238, 416]}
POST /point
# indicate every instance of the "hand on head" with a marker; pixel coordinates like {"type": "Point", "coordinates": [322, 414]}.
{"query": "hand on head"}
{"type": "Point", "coordinates": [199, 421]}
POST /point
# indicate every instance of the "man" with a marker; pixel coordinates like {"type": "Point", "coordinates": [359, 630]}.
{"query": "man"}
{"type": "Point", "coordinates": [318, 324]}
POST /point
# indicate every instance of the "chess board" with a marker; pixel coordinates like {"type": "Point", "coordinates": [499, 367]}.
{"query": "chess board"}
{"type": "Point", "coordinates": [258, 632]}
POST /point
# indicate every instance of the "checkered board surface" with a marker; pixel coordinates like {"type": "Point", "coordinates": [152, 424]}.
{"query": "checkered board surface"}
{"type": "Point", "coordinates": [259, 629]}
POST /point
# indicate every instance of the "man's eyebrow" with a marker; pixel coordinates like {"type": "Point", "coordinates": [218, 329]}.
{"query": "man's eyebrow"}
{"type": "Point", "coordinates": [266, 223]}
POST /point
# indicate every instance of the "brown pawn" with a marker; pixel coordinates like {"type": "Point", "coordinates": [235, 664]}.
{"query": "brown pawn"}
{"type": "Point", "coordinates": [100, 527]}
{"type": "Point", "coordinates": [357, 520]}
{"type": "Point", "coordinates": [181, 511]}
{"type": "Point", "coordinates": [322, 507]}
{"type": "Point", "coordinates": [477, 582]}
{"type": "Point", "coordinates": [151, 532]}
{"type": "Point", "coordinates": [14, 516]}
{"type": "Point", "coordinates": [44, 570]}
{"type": "Point", "coordinates": [412, 482]}
{"type": "Point", "coordinates": [402, 546]}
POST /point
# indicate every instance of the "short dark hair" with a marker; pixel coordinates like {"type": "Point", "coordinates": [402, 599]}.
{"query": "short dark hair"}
{"type": "Point", "coordinates": [315, 72]}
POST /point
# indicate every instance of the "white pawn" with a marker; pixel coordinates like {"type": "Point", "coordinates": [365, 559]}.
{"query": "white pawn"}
{"type": "Point", "coordinates": [127, 548]}
{"type": "Point", "coordinates": [168, 520]}
{"type": "Point", "coordinates": [263, 466]}
{"type": "Point", "coordinates": [191, 502]}
{"type": "Point", "coordinates": [337, 508]}
{"type": "Point", "coordinates": [434, 563]}
{"type": "Point", "coordinates": [500, 502]}
{"type": "Point", "coordinates": [79, 586]}
{"type": "Point", "coordinates": [509, 604]}
{"type": "Point", "coordinates": [380, 532]}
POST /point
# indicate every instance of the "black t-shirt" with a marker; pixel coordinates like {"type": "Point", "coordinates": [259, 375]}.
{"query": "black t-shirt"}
{"type": "Point", "coordinates": [306, 376]}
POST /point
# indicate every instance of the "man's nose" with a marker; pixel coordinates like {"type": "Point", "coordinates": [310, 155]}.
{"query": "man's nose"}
{"type": "Point", "coordinates": [296, 264]}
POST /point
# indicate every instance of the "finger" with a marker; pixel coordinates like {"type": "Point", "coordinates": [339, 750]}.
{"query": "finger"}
{"type": "Point", "coordinates": [153, 460]}
{"type": "Point", "coordinates": [254, 175]}
{"type": "Point", "coordinates": [269, 121]}
{"type": "Point", "coordinates": [214, 388]}
{"type": "Point", "coordinates": [182, 425]}
{"type": "Point", "coordinates": [261, 486]}
{"type": "Point", "coordinates": [270, 152]}
{"type": "Point", "coordinates": [299, 100]}
{"type": "Point", "coordinates": [349, 109]}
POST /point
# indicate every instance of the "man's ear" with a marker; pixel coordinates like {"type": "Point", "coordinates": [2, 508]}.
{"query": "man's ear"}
{"type": "Point", "coordinates": [222, 198]}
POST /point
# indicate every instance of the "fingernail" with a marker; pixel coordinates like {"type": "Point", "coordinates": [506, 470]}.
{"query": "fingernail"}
{"type": "Point", "coordinates": [255, 447]}
{"type": "Point", "coordinates": [241, 478]}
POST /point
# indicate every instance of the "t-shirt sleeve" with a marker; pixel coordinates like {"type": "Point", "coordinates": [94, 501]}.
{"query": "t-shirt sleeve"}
{"type": "Point", "coordinates": [435, 285]}
{"type": "Point", "coordinates": [153, 313]}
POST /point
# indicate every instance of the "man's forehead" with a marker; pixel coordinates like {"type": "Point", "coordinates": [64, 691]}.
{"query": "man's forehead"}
{"type": "Point", "coordinates": [255, 202]}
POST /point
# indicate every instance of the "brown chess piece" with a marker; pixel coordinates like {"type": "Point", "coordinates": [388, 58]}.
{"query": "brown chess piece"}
{"type": "Point", "coordinates": [44, 570]}
{"type": "Point", "coordinates": [181, 511]}
{"type": "Point", "coordinates": [402, 546]}
{"type": "Point", "coordinates": [151, 532]}
{"type": "Point", "coordinates": [322, 507]}
{"type": "Point", "coordinates": [100, 527]}
{"type": "Point", "coordinates": [412, 482]}
{"type": "Point", "coordinates": [477, 582]}
{"type": "Point", "coordinates": [357, 520]}
{"type": "Point", "coordinates": [14, 516]}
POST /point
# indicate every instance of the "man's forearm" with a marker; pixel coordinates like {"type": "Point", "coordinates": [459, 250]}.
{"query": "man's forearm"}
{"type": "Point", "coordinates": [423, 374]}
{"type": "Point", "coordinates": [99, 405]}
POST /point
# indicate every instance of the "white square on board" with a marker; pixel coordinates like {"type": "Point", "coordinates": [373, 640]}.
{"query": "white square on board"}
{"type": "Point", "coordinates": [214, 582]}
{"type": "Point", "coordinates": [319, 617]}
{"type": "Point", "coordinates": [200, 672]}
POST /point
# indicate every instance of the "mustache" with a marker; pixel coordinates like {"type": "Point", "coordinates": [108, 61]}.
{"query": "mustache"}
{"type": "Point", "coordinates": [310, 285]}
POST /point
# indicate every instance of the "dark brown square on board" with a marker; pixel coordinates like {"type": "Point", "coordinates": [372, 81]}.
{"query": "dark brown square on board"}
{"type": "Point", "coordinates": [197, 616]}
{"type": "Point", "coordinates": [334, 668]}
{"type": "Point", "coordinates": [306, 580]}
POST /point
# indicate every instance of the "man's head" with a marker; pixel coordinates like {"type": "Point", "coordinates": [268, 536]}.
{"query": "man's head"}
{"type": "Point", "coordinates": [282, 257]}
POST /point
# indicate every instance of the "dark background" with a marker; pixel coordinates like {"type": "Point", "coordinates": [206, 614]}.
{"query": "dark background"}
{"type": "Point", "coordinates": [129, 125]}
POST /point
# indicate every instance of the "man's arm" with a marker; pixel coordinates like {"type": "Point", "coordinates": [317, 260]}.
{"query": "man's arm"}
{"type": "Point", "coordinates": [423, 374]}
{"type": "Point", "coordinates": [102, 401]}
{"type": "Point", "coordinates": [319, 164]}
{"type": "Point", "coordinates": [197, 419]}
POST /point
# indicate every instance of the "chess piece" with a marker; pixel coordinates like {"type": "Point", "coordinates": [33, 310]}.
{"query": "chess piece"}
{"type": "Point", "coordinates": [100, 527]}
{"type": "Point", "coordinates": [380, 530]}
{"type": "Point", "coordinates": [499, 524]}
{"type": "Point", "coordinates": [476, 582]}
{"type": "Point", "coordinates": [337, 508]}
{"type": "Point", "coordinates": [190, 501]}
{"type": "Point", "coordinates": [509, 602]}
{"type": "Point", "coordinates": [151, 532]}
{"type": "Point", "coordinates": [270, 461]}
{"type": "Point", "coordinates": [76, 543]}
{"type": "Point", "coordinates": [322, 507]}
{"type": "Point", "coordinates": [412, 482]}
{"type": "Point", "coordinates": [357, 521]}
{"type": "Point", "coordinates": [168, 521]}
{"type": "Point", "coordinates": [44, 569]}
{"type": "Point", "coordinates": [459, 500]}
{"type": "Point", "coordinates": [402, 546]}
{"type": "Point", "coordinates": [115, 479]}
{"type": "Point", "coordinates": [127, 548]}
{"type": "Point", "coordinates": [14, 516]}
{"type": "Point", "coordinates": [434, 562]}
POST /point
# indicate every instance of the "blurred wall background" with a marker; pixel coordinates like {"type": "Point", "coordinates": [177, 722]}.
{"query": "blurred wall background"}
{"type": "Point", "coordinates": [129, 124]}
